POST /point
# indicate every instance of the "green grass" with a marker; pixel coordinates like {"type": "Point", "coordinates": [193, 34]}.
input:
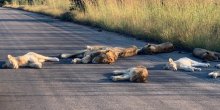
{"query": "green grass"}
{"type": "Point", "coordinates": [189, 23]}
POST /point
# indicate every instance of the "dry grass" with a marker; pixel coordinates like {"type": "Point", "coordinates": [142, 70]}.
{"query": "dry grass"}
{"type": "Point", "coordinates": [191, 23]}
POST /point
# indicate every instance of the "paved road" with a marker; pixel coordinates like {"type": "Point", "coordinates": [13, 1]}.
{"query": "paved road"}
{"type": "Point", "coordinates": [64, 86]}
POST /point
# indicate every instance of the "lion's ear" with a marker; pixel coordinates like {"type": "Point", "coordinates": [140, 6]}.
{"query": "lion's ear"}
{"type": "Point", "coordinates": [140, 66]}
{"type": "Point", "coordinates": [107, 51]}
{"type": "Point", "coordinates": [170, 60]}
{"type": "Point", "coordinates": [205, 54]}
{"type": "Point", "coordinates": [148, 45]}
{"type": "Point", "coordinates": [10, 56]}
{"type": "Point", "coordinates": [134, 46]}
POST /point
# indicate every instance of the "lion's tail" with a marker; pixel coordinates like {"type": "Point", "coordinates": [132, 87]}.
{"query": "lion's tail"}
{"type": "Point", "coordinates": [39, 56]}
{"type": "Point", "coordinates": [54, 59]}
{"type": "Point", "coordinates": [210, 74]}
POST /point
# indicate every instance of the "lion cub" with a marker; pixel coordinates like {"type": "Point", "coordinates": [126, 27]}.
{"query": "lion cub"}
{"type": "Point", "coordinates": [185, 64]}
{"type": "Point", "coordinates": [30, 59]}
{"type": "Point", "coordinates": [134, 74]}
{"type": "Point", "coordinates": [156, 48]}
{"type": "Point", "coordinates": [214, 74]}
{"type": "Point", "coordinates": [206, 54]}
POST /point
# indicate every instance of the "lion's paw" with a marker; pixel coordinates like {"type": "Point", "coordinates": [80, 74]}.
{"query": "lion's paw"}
{"type": "Point", "coordinates": [114, 78]}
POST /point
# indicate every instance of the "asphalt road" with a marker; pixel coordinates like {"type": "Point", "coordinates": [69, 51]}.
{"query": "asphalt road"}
{"type": "Point", "coordinates": [65, 86]}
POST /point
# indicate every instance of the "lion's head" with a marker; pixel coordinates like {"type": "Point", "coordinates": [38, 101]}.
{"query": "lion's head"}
{"type": "Point", "coordinates": [11, 63]}
{"type": "Point", "coordinates": [140, 75]}
{"type": "Point", "coordinates": [147, 49]}
{"type": "Point", "coordinates": [107, 57]}
{"type": "Point", "coordinates": [209, 56]}
{"type": "Point", "coordinates": [171, 65]}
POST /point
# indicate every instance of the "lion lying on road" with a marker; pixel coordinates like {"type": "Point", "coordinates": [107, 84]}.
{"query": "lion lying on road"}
{"type": "Point", "coordinates": [206, 54]}
{"type": "Point", "coordinates": [96, 57]}
{"type": "Point", "coordinates": [30, 59]}
{"type": "Point", "coordinates": [185, 64]}
{"type": "Point", "coordinates": [217, 66]}
{"type": "Point", "coordinates": [101, 54]}
{"type": "Point", "coordinates": [156, 48]}
{"type": "Point", "coordinates": [134, 74]}
{"type": "Point", "coordinates": [214, 74]}
{"type": "Point", "coordinates": [122, 52]}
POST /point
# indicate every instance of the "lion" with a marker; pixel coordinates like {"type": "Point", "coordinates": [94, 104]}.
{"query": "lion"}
{"type": "Point", "coordinates": [122, 52]}
{"type": "Point", "coordinates": [217, 66]}
{"type": "Point", "coordinates": [30, 59]}
{"type": "Point", "coordinates": [100, 54]}
{"type": "Point", "coordinates": [97, 57]}
{"type": "Point", "coordinates": [156, 48]}
{"type": "Point", "coordinates": [185, 64]}
{"type": "Point", "coordinates": [134, 74]}
{"type": "Point", "coordinates": [206, 55]}
{"type": "Point", "coordinates": [214, 74]}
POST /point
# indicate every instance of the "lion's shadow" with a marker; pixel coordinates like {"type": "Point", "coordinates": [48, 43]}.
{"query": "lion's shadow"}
{"type": "Point", "coordinates": [109, 79]}
{"type": "Point", "coordinates": [2, 63]}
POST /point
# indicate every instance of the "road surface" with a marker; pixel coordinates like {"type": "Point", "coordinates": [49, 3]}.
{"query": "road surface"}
{"type": "Point", "coordinates": [65, 86]}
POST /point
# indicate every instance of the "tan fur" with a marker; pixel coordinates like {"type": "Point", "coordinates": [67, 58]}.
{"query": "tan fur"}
{"type": "Point", "coordinates": [134, 74]}
{"type": "Point", "coordinates": [103, 54]}
{"type": "Point", "coordinates": [30, 59]}
{"type": "Point", "coordinates": [206, 54]}
{"type": "Point", "coordinates": [214, 74]}
{"type": "Point", "coordinates": [97, 57]}
{"type": "Point", "coordinates": [186, 64]}
{"type": "Point", "coordinates": [97, 47]}
{"type": "Point", "coordinates": [122, 52]}
{"type": "Point", "coordinates": [157, 48]}
{"type": "Point", "coordinates": [107, 57]}
{"type": "Point", "coordinates": [128, 52]}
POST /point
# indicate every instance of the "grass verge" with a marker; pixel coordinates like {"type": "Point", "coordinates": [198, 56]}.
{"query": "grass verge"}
{"type": "Point", "coordinates": [187, 23]}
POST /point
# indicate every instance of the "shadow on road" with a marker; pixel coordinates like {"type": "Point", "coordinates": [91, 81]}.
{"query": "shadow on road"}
{"type": "Point", "coordinates": [26, 20]}
{"type": "Point", "coordinates": [1, 63]}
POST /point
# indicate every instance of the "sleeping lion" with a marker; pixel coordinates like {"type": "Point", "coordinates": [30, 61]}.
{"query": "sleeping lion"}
{"type": "Point", "coordinates": [100, 54]}
{"type": "Point", "coordinates": [156, 48]}
{"type": "Point", "coordinates": [186, 64]}
{"type": "Point", "coordinates": [214, 74]}
{"type": "Point", "coordinates": [122, 52]}
{"type": "Point", "coordinates": [96, 57]}
{"type": "Point", "coordinates": [30, 59]}
{"type": "Point", "coordinates": [206, 54]}
{"type": "Point", "coordinates": [134, 74]}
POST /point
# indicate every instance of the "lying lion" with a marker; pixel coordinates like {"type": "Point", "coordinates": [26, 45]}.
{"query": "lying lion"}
{"type": "Point", "coordinates": [156, 48]}
{"type": "Point", "coordinates": [185, 64]}
{"type": "Point", "coordinates": [96, 57]}
{"type": "Point", "coordinates": [30, 59]}
{"type": "Point", "coordinates": [214, 74]}
{"type": "Point", "coordinates": [134, 74]}
{"type": "Point", "coordinates": [101, 54]}
{"type": "Point", "coordinates": [206, 54]}
{"type": "Point", "coordinates": [122, 52]}
{"type": "Point", "coordinates": [217, 66]}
